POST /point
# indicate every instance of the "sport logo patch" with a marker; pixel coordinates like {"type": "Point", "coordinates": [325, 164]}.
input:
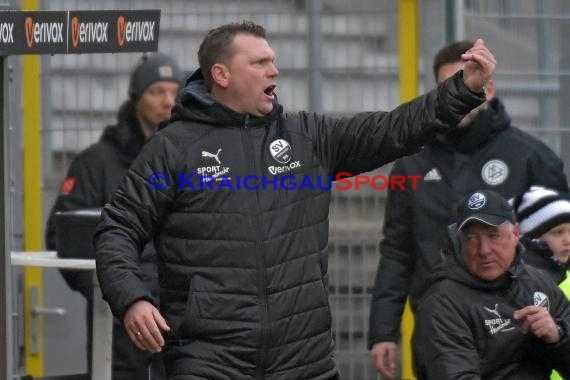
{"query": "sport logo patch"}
{"type": "Point", "coordinates": [540, 299]}
{"type": "Point", "coordinates": [476, 201]}
{"type": "Point", "coordinates": [495, 172]}
{"type": "Point", "coordinates": [165, 72]}
{"type": "Point", "coordinates": [494, 310]}
{"type": "Point", "coordinates": [215, 156]}
{"type": "Point", "coordinates": [284, 169]}
{"type": "Point", "coordinates": [210, 172]}
{"type": "Point", "coordinates": [433, 175]}
{"type": "Point", "coordinates": [495, 322]}
{"type": "Point", "coordinates": [67, 185]}
{"type": "Point", "coordinates": [281, 151]}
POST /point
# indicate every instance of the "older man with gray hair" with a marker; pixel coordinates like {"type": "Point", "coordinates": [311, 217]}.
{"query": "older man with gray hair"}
{"type": "Point", "coordinates": [488, 315]}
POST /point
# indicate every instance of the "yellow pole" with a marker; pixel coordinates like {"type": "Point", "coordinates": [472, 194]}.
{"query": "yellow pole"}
{"type": "Point", "coordinates": [31, 111]}
{"type": "Point", "coordinates": [409, 85]}
{"type": "Point", "coordinates": [408, 46]}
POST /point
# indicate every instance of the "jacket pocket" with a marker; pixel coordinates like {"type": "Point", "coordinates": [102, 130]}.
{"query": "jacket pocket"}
{"type": "Point", "coordinates": [189, 324]}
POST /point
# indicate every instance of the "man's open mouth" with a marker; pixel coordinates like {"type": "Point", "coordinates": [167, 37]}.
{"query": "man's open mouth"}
{"type": "Point", "coordinates": [269, 90]}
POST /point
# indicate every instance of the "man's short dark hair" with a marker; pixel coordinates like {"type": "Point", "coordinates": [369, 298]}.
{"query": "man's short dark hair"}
{"type": "Point", "coordinates": [217, 45]}
{"type": "Point", "coordinates": [450, 54]}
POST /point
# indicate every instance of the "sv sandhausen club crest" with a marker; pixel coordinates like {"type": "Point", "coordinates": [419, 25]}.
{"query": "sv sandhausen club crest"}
{"type": "Point", "coordinates": [281, 151]}
{"type": "Point", "coordinates": [541, 299]}
{"type": "Point", "coordinates": [476, 201]}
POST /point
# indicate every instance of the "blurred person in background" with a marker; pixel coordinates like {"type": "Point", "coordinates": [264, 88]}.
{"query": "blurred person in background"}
{"type": "Point", "coordinates": [544, 218]}
{"type": "Point", "coordinates": [489, 315]}
{"type": "Point", "coordinates": [243, 273]}
{"type": "Point", "coordinates": [95, 174]}
{"type": "Point", "coordinates": [489, 154]}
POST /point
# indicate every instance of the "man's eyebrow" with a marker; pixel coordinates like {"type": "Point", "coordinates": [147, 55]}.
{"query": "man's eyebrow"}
{"type": "Point", "coordinates": [467, 230]}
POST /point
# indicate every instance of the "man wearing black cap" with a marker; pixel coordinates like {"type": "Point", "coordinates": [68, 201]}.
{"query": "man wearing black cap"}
{"type": "Point", "coordinates": [96, 173]}
{"type": "Point", "coordinates": [491, 153]}
{"type": "Point", "coordinates": [488, 315]}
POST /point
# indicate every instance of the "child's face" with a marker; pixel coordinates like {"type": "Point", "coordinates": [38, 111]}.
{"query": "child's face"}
{"type": "Point", "coordinates": [558, 239]}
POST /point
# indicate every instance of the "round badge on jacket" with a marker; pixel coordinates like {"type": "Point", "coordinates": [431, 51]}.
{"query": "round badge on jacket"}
{"type": "Point", "coordinates": [476, 201]}
{"type": "Point", "coordinates": [495, 172]}
{"type": "Point", "coordinates": [281, 151]}
{"type": "Point", "coordinates": [540, 299]}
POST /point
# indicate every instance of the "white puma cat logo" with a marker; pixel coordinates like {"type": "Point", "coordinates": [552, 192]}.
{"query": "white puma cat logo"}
{"type": "Point", "coordinates": [212, 155]}
{"type": "Point", "coordinates": [493, 311]}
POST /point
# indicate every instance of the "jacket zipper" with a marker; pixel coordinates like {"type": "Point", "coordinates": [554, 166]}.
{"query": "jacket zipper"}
{"type": "Point", "coordinates": [261, 277]}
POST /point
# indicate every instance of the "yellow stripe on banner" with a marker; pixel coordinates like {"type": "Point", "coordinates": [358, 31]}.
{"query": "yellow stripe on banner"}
{"type": "Point", "coordinates": [409, 87]}
{"type": "Point", "coordinates": [31, 111]}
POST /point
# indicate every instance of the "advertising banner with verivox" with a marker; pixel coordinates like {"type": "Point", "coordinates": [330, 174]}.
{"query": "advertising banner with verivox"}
{"type": "Point", "coordinates": [74, 32]}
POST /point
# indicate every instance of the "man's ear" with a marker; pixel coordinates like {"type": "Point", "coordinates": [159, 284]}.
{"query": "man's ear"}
{"type": "Point", "coordinates": [517, 231]}
{"type": "Point", "coordinates": [220, 74]}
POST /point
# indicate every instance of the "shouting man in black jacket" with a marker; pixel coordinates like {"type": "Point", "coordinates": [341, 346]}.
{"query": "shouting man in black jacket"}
{"type": "Point", "coordinates": [489, 154]}
{"type": "Point", "coordinates": [96, 173]}
{"type": "Point", "coordinates": [242, 260]}
{"type": "Point", "coordinates": [488, 315]}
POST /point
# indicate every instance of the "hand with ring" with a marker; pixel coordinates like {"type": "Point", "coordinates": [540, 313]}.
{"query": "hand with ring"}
{"type": "Point", "coordinates": [144, 324]}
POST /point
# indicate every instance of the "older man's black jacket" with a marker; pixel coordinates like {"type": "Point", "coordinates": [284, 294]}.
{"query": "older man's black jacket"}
{"type": "Point", "coordinates": [491, 154]}
{"type": "Point", "coordinates": [465, 327]}
{"type": "Point", "coordinates": [243, 270]}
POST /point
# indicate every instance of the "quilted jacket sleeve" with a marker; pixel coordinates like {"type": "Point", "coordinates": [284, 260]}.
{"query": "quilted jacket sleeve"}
{"type": "Point", "coordinates": [128, 221]}
{"type": "Point", "coordinates": [368, 140]}
{"type": "Point", "coordinates": [446, 348]}
{"type": "Point", "coordinates": [395, 267]}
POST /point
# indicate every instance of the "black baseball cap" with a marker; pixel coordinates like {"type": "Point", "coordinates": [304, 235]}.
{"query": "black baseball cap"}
{"type": "Point", "coordinates": [485, 206]}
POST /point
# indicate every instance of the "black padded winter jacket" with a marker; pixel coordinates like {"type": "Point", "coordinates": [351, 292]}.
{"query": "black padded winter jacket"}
{"type": "Point", "coordinates": [465, 327]}
{"type": "Point", "coordinates": [243, 263]}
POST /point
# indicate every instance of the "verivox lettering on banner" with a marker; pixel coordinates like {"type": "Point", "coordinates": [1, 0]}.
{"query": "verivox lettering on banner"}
{"type": "Point", "coordinates": [113, 31]}
{"type": "Point", "coordinates": [134, 29]}
{"type": "Point", "coordinates": [61, 32]}
{"type": "Point", "coordinates": [41, 32]}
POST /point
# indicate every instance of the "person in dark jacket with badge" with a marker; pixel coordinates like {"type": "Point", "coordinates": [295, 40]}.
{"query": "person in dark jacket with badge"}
{"type": "Point", "coordinates": [490, 154]}
{"type": "Point", "coordinates": [242, 259]}
{"type": "Point", "coordinates": [487, 314]}
{"type": "Point", "coordinates": [95, 174]}
{"type": "Point", "coordinates": [544, 218]}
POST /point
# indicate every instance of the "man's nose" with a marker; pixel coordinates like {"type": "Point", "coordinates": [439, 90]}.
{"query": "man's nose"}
{"type": "Point", "coordinates": [273, 70]}
{"type": "Point", "coordinates": [170, 99]}
{"type": "Point", "coordinates": [484, 247]}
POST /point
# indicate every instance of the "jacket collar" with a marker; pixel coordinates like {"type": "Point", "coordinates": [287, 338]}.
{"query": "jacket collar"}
{"type": "Point", "coordinates": [488, 123]}
{"type": "Point", "coordinates": [127, 135]}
